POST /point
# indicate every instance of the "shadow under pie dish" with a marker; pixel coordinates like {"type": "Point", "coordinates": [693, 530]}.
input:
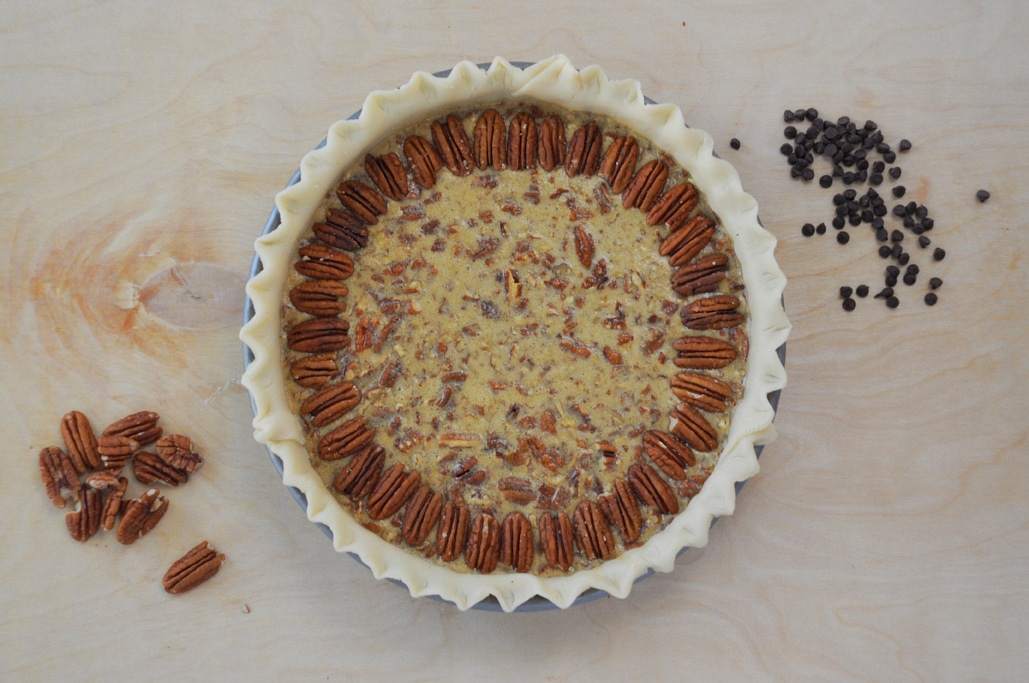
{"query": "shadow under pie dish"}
{"type": "Point", "coordinates": [514, 336]}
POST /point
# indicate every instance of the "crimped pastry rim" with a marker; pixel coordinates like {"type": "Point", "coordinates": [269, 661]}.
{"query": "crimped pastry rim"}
{"type": "Point", "coordinates": [553, 80]}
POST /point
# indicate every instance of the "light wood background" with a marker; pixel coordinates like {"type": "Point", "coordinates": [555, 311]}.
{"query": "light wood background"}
{"type": "Point", "coordinates": [887, 536]}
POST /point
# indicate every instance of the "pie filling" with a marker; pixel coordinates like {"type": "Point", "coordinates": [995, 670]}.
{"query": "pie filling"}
{"type": "Point", "coordinates": [515, 336]}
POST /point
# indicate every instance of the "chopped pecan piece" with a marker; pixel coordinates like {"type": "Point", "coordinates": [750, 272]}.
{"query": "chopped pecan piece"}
{"type": "Point", "coordinates": [522, 142]}
{"type": "Point", "coordinates": [322, 262]}
{"type": "Point", "coordinates": [388, 174]}
{"type": "Point", "coordinates": [693, 428]}
{"type": "Point", "coordinates": [703, 353]}
{"type": "Point", "coordinates": [319, 335]}
{"type": "Point", "coordinates": [557, 539]}
{"type": "Point", "coordinates": [452, 141]}
{"type": "Point", "coordinates": [115, 451]}
{"type": "Point", "coordinates": [346, 439]}
{"type": "Point", "coordinates": [84, 522]}
{"type": "Point", "coordinates": [701, 391]}
{"type": "Point", "coordinates": [149, 468]}
{"type": "Point", "coordinates": [682, 245]}
{"type": "Point", "coordinates": [140, 427]}
{"type": "Point", "coordinates": [652, 490]}
{"type": "Point", "coordinates": [551, 147]}
{"type": "Point", "coordinates": [331, 402]}
{"type": "Point", "coordinates": [192, 569]}
{"type": "Point", "coordinates": [592, 531]}
{"type": "Point", "coordinates": [452, 534]}
{"type": "Point", "coordinates": [483, 548]}
{"type": "Point", "coordinates": [394, 489]}
{"type": "Point", "coordinates": [422, 513]}
{"type": "Point", "coordinates": [619, 163]}
{"type": "Point", "coordinates": [516, 544]}
{"type": "Point", "coordinates": [60, 480]}
{"type": "Point", "coordinates": [488, 139]}
{"type": "Point", "coordinates": [700, 276]}
{"type": "Point", "coordinates": [613, 356]}
{"type": "Point", "coordinates": [177, 450]}
{"type": "Point", "coordinates": [80, 441]}
{"type": "Point", "coordinates": [363, 200]}
{"type": "Point", "coordinates": [622, 510]}
{"type": "Point", "coordinates": [712, 313]}
{"type": "Point", "coordinates": [319, 297]}
{"type": "Point", "coordinates": [361, 474]}
{"type": "Point", "coordinates": [674, 207]}
{"type": "Point", "coordinates": [141, 515]}
{"type": "Point", "coordinates": [670, 454]}
{"type": "Point", "coordinates": [342, 230]}
{"type": "Point", "coordinates": [423, 160]}
{"type": "Point", "coordinates": [584, 247]}
{"type": "Point", "coordinates": [517, 490]}
{"type": "Point", "coordinates": [646, 186]}
{"type": "Point", "coordinates": [584, 151]}
{"type": "Point", "coordinates": [112, 504]}
{"type": "Point", "coordinates": [314, 371]}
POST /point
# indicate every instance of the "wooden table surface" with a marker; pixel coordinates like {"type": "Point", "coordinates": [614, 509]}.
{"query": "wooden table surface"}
{"type": "Point", "coordinates": [887, 536]}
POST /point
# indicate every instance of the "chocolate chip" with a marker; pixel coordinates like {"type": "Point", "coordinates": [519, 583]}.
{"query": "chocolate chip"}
{"type": "Point", "coordinates": [839, 222]}
{"type": "Point", "coordinates": [820, 229]}
{"type": "Point", "coordinates": [825, 181]}
{"type": "Point", "coordinates": [893, 302]}
{"type": "Point", "coordinates": [935, 282]}
{"type": "Point", "coordinates": [938, 254]}
{"type": "Point", "coordinates": [862, 291]}
{"type": "Point", "coordinates": [930, 299]}
{"type": "Point", "coordinates": [734, 143]}
{"type": "Point", "coordinates": [892, 270]}
{"type": "Point", "coordinates": [896, 251]}
{"type": "Point", "coordinates": [890, 280]}
{"type": "Point", "coordinates": [787, 116]}
{"type": "Point", "coordinates": [924, 241]}
{"type": "Point", "coordinates": [885, 293]}
{"type": "Point", "coordinates": [812, 113]}
{"type": "Point", "coordinates": [913, 268]}
{"type": "Point", "coordinates": [904, 258]}
{"type": "Point", "coordinates": [807, 230]}
{"type": "Point", "coordinates": [895, 172]}
{"type": "Point", "coordinates": [904, 145]}
{"type": "Point", "coordinates": [809, 174]}
{"type": "Point", "coordinates": [884, 251]}
{"type": "Point", "coordinates": [876, 178]}
{"type": "Point", "coordinates": [882, 234]}
{"type": "Point", "coordinates": [842, 237]}
{"type": "Point", "coordinates": [849, 304]}
{"type": "Point", "coordinates": [909, 278]}
{"type": "Point", "coordinates": [896, 236]}
{"type": "Point", "coordinates": [889, 157]}
{"type": "Point", "coordinates": [845, 291]}
{"type": "Point", "coordinates": [982, 195]}
{"type": "Point", "coordinates": [927, 223]}
{"type": "Point", "coordinates": [786, 149]}
{"type": "Point", "coordinates": [899, 191]}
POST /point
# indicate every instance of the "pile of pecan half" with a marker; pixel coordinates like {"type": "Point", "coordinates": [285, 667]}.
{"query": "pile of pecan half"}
{"type": "Point", "coordinates": [88, 474]}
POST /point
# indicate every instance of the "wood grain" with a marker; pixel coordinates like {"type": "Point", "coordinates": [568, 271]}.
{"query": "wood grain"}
{"type": "Point", "coordinates": [887, 537]}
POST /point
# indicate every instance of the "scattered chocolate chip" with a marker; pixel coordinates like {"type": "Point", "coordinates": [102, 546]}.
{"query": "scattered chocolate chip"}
{"type": "Point", "coordinates": [930, 299]}
{"type": "Point", "coordinates": [935, 282]}
{"type": "Point", "coordinates": [893, 302]}
{"type": "Point", "coordinates": [787, 116]}
{"type": "Point", "coordinates": [862, 291]}
{"type": "Point", "coordinates": [890, 280]}
{"type": "Point", "coordinates": [845, 291]}
{"type": "Point", "coordinates": [938, 254]}
{"type": "Point", "coordinates": [899, 191]}
{"type": "Point", "coordinates": [807, 230]}
{"type": "Point", "coordinates": [884, 251]}
{"type": "Point", "coordinates": [825, 181]}
{"type": "Point", "coordinates": [895, 172]}
{"type": "Point", "coordinates": [924, 241]}
{"type": "Point", "coordinates": [896, 251]}
{"type": "Point", "coordinates": [904, 258]}
{"type": "Point", "coordinates": [904, 145]}
{"type": "Point", "coordinates": [820, 229]}
{"type": "Point", "coordinates": [842, 237]}
{"type": "Point", "coordinates": [839, 222]}
{"type": "Point", "coordinates": [913, 268]}
{"type": "Point", "coordinates": [896, 236]}
{"type": "Point", "coordinates": [982, 196]}
{"type": "Point", "coordinates": [892, 270]}
{"type": "Point", "coordinates": [886, 293]}
{"type": "Point", "coordinates": [909, 278]}
{"type": "Point", "coordinates": [812, 113]}
{"type": "Point", "coordinates": [849, 304]}
{"type": "Point", "coordinates": [734, 143]}
{"type": "Point", "coordinates": [882, 234]}
{"type": "Point", "coordinates": [927, 224]}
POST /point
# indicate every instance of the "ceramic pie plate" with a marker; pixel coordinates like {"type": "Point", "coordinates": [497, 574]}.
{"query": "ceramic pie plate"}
{"type": "Point", "coordinates": [553, 81]}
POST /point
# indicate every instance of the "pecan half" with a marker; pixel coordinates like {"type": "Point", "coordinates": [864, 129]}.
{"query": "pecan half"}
{"type": "Point", "coordinates": [701, 391]}
{"type": "Point", "coordinates": [60, 480]}
{"type": "Point", "coordinates": [592, 531]}
{"type": "Point", "coordinates": [140, 427]}
{"type": "Point", "coordinates": [342, 230]}
{"type": "Point", "coordinates": [670, 454]}
{"type": "Point", "coordinates": [319, 335]}
{"type": "Point", "coordinates": [361, 473]}
{"type": "Point", "coordinates": [112, 504]}
{"type": "Point", "coordinates": [80, 441]}
{"type": "Point", "coordinates": [516, 544]}
{"type": "Point", "coordinates": [488, 139]}
{"type": "Point", "coordinates": [141, 515]}
{"type": "Point", "coordinates": [115, 451]}
{"type": "Point", "coordinates": [700, 276]}
{"type": "Point", "coordinates": [192, 569]}
{"type": "Point", "coordinates": [314, 371]}
{"type": "Point", "coordinates": [712, 313]}
{"type": "Point", "coordinates": [346, 439]}
{"type": "Point", "coordinates": [423, 159]}
{"type": "Point", "coordinates": [422, 513]}
{"type": "Point", "coordinates": [674, 207]}
{"type": "Point", "coordinates": [652, 490]}
{"type": "Point", "coordinates": [584, 247]}
{"type": "Point", "coordinates": [522, 142]}
{"type": "Point", "coordinates": [483, 548]}
{"type": "Point", "coordinates": [394, 489]}
{"type": "Point", "coordinates": [452, 142]}
{"type": "Point", "coordinates": [682, 245]}
{"type": "Point", "coordinates": [646, 186]}
{"type": "Point", "coordinates": [149, 469]}
{"type": "Point", "coordinates": [619, 162]}
{"type": "Point", "coordinates": [322, 262]}
{"type": "Point", "coordinates": [331, 402]}
{"type": "Point", "coordinates": [452, 534]}
{"type": "Point", "coordinates": [584, 151]}
{"type": "Point", "coordinates": [363, 200]}
{"type": "Point", "coordinates": [557, 539]}
{"type": "Point", "coordinates": [177, 450]}
{"type": "Point", "coordinates": [551, 147]}
{"type": "Point", "coordinates": [388, 174]}
{"type": "Point", "coordinates": [622, 511]}
{"type": "Point", "coordinates": [693, 428]}
{"type": "Point", "coordinates": [703, 353]}
{"type": "Point", "coordinates": [84, 522]}
{"type": "Point", "coordinates": [319, 297]}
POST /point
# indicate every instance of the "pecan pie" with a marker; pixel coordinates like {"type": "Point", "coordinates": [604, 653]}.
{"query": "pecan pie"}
{"type": "Point", "coordinates": [509, 336]}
